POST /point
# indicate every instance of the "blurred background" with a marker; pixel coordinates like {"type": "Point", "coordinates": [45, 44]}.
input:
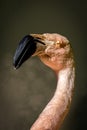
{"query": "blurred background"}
{"type": "Point", "coordinates": [25, 92]}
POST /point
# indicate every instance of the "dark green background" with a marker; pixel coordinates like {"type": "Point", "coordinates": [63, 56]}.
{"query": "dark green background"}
{"type": "Point", "coordinates": [25, 92]}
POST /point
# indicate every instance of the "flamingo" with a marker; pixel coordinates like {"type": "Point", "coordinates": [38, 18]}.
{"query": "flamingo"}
{"type": "Point", "coordinates": [55, 51]}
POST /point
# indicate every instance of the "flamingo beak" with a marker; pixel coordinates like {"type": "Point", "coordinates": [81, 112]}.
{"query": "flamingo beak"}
{"type": "Point", "coordinates": [26, 48]}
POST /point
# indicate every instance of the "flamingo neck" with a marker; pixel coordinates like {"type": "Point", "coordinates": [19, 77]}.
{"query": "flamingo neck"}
{"type": "Point", "coordinates": [55, 111]}
{"type": "Point", "coordinates": [65, 83]}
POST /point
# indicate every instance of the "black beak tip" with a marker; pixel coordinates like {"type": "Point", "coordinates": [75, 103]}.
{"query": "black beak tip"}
{"type": "Point", "coordinates": [25, 49]}
{"type": "Point", "coordinates": [15, 67]}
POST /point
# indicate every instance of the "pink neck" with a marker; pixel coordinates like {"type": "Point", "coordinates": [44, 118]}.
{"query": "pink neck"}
{"type": "Point", "coordinates": [55, 111]}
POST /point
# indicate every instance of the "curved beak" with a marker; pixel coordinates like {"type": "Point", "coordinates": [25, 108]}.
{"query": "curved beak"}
{"type": "Point", "coordinates": [27, 47]}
